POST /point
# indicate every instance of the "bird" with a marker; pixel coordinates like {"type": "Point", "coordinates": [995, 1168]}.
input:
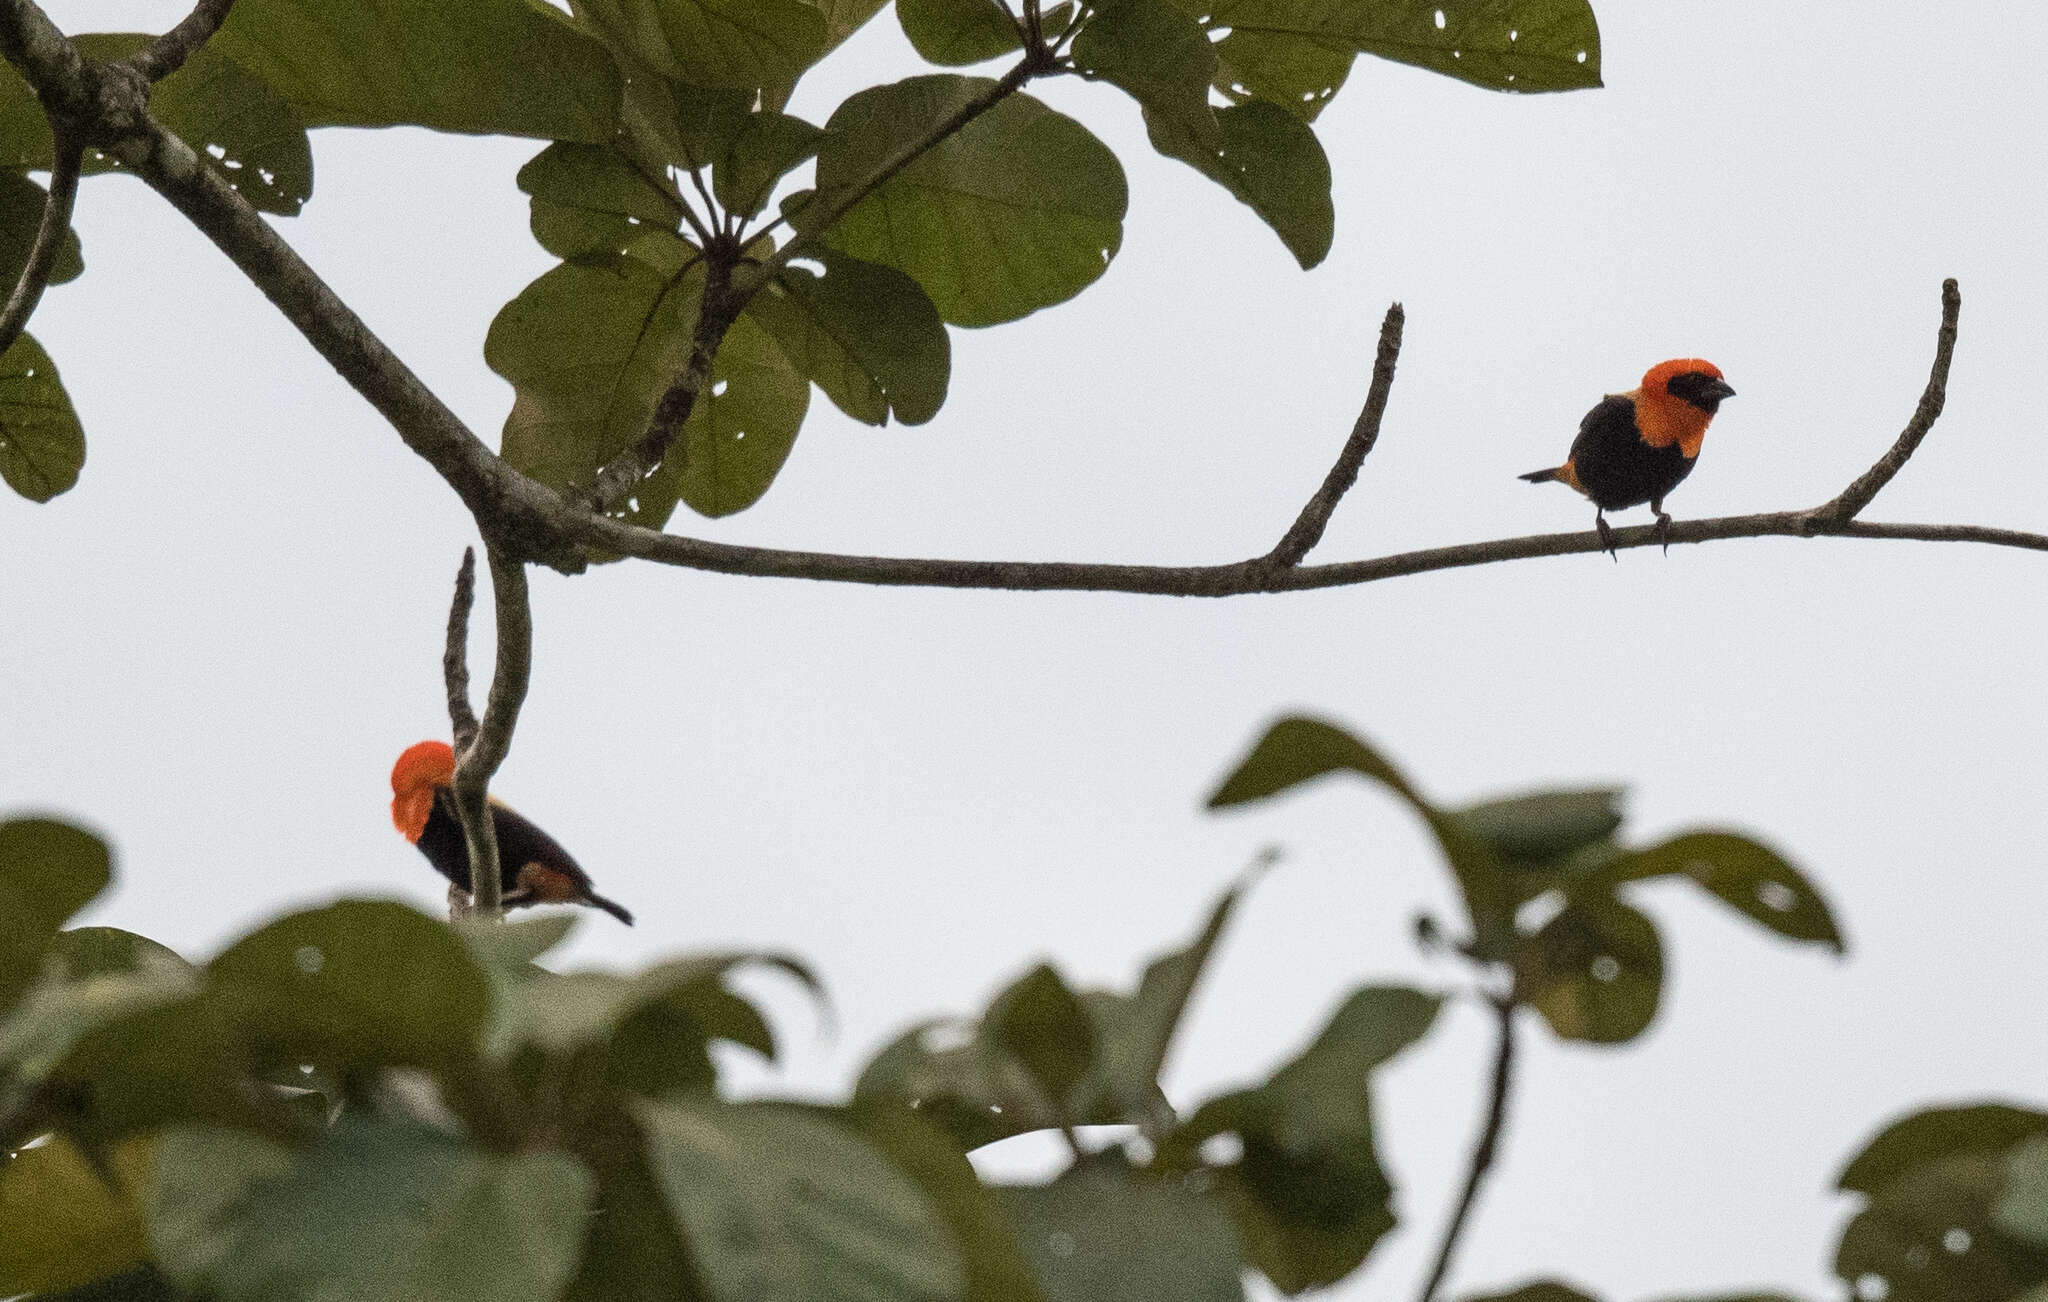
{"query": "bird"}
{"type": "Point", "coordinates": [533, 867]}
{"type": "Point", "coordinates": [1635, 447]}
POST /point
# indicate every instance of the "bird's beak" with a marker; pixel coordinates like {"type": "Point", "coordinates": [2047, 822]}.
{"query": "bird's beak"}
{"type": "Point", "coordinates": [1719, 389]}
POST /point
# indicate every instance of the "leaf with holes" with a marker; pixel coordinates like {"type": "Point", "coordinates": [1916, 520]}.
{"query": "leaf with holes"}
{"type": "Point", "coordinates": [1749, 876]}
{"type": "Point", "coordinates": [768, 146]}
{"type": "Point", "coordinates": [1297, 73]}
{"type": "Point", "coordinates": [1595, 971]}
{"type": "Point", "coordinates": [1103, 1230]}
{"type": "Point", "coordinates": [21, 214]}
{"type": "Point", "coordinates": [1019, 209]}
{"type": "Point", "coordinates": [42, 445]}
{"type": "Point", "coordinates": [589, 200]}
{"type": "Point", "coordinates": [1273, 163]}
{"type": "Point", "coordinates": [1508, 45]}
{"type": "Point", "coordinates": [864, 334]}
{"type": "Point", "coordinates": [1942, 1229]}
{"type": "Point", "coordinates": [781, 1202]}
{"type": "Point", "coordinates": [744, 43]}
{"type": "Point", "coordinates": [956, 32]}
{"type": "Point", "coordinates": [498, 67]}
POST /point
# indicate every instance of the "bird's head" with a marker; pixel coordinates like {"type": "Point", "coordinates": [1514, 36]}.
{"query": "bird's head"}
{"type": "Point", "coordinates": [424, 767]}
{"type": "Point", "coordinates": [1690, 380]}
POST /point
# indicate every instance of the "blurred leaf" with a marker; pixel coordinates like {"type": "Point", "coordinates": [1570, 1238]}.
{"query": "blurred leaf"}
{"type": "Point", "coordinates": [1595, 971]}
{"type": "Point", "coordinates": [1273, 163]}
{"type": "Point", "coordinates": [778, 1204]}
{"type": "Point", "coordinates": [49, 870]}
{"type": "Point", "coordinates": [1298, 749]}
{"type": "Point", "coordinates": [1103, 1231]}
{"type": "Point", "coordinates": [952, 33]}
{"type": "Point", "coordinates": [143, 1284]}
{"type": "Point", "coordinates": [2022, 1210]}
{"type": "Point", "coordinates": [739, 434]}
{"type": "Point", "coordinates": [42, 445]}
{"type": "Point", "coordinates": [958, 1082]}
{"type": "Point", "coordinates": [63, 1225]}
{"type": "Point", "coordinates": [1040, 1023]}
{"type": "Point", "coordinates": [864, 334]}
{"type": "Point", "coordinates": [769, 145]}
{"type": "Point", "coordinates": [1928, 1234]}
{"type": "Point", "coordinates": [83, 952]}
{"type": "Point", "coordinates": [715, 43]}
{"type": "Point", "coordinates": [21, 214]}
{"type": "Point", "coordinates": [1020, 209]}
{"type": "Point", "coordinates": [166, 1064]}
{"type": "Point", "coordinates": [525, 69]}
{"type": "Point", "coordinates": [361, 982]}
{"type": "Point", "coordinates": [1510, 45]}
{"type": "Point", "coordinates": [1750, 877]}
{"type": "Point", "coordinates": [513, 946]}
{"type": "Point", "coordinates": [1297, 73]}
{"type": "Point", "coordinates": [1935, 1133]}
{"type": "Point", "coordinates": [60, 1009]}
{"type": "Point", "coordinates": [1732, 1297]}
{"type": "Point", "coordinates": [1540, 1290]}
{"type": "Point", "coordinates": [588, 199]}
{"type": "Point", "coordinates": [382, 1211]}
{"type": "Point", "coordinates": [632, 1251]}
{"type": "Point", "coordinates": [1537, 830]}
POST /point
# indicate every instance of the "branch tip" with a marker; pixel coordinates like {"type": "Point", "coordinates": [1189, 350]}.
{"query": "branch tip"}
{"type": "Point", "coordinates": [1851, 500]}
{"type": "Point", "coordinates": [455, 656]}
{"type": "Point", "coordinates": [167, 53]}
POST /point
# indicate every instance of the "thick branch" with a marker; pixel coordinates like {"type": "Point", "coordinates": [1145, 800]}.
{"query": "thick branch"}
{"type": "Point", "coordinates": [167, 53]}
{"type": "Point", "coordinates": [56, 224]}
{"type": "Point", "coordinates": [1307, 529]}
{"type": "Point", "coordinates": [1857, 495]}
{"type": "Point", "coordinates": [481, 758]}
{"type": "Point", "coordinates": [1482, 1152]}
{"type": "Point", "coordinates": [455, 656]}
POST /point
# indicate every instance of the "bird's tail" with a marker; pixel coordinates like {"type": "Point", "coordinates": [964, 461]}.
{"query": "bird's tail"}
{"type": "Point", "coordinates": [613, 907]}
{"type": "Point", "coordinates": [1542, 476]}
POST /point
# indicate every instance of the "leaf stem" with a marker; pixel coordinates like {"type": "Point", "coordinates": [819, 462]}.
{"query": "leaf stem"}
{"type": "Point", "coordinates": [1484, 1151]}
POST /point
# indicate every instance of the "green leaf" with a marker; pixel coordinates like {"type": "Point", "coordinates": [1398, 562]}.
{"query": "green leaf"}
{"type": "Point", "coordinates": [588, 199]}
{"type": "Point", "coordinates": [1935, 1133]}
{"type": "Point", "coordinates": [845, 17]}
{"type": "Point", "coordinates": [2022, 1210]}
{"type": "Point", "coordinates": [1158, 55]}
{"type": "Point", "coordinates": [778, 1204]}
{"type": "Point", "coordinates": [1297, 73]}
{"type": "Point", "coordinates": [511, 947]}
{"type": "Point", "coordinates": [1273, 163]}
{"type": "Point", "coordinates": [742, 43]}
{"type": "Point", "coordinates": [62, 1223]}
{"type": "Point", "coordinates": [166, 1064]}
{"type": "Point", "coordinates": [866, 335]}
{"type": "Point", "coordinates": [21, 214]}
{"type": "Point", "coordinates": [590, 349]}
{"type": "Point", "coordinates": [42, 445]}
{"type": "Point", "coordinates": [361, 982]}
{"type": "Point", "coordinates": [672, 123]}
{"type": "Point", "coordinates": [1537, 830]}
{"type": "Point", "coordinates": [1040, 1023]}
{"type": "Point", "coordinates": [956, 32]}
{"type": "Point", "coordinates": [1540, 1290]}
{"type": "Point", "coordinates": [1104, 1231]}
{"type": "Point", "coordinates": [1932, 1234]}
{"type": "Point", "coordinates": [1297, 750]}
{"type": "Point", "coordinates": [769, 145]}
{"type": "Point", "coordinates": [49, 870]}
{"type": "Point", "coordinates": [739, 433]}
{"type": "Point", "coordinates": [1750, 877]}
{"type": "Point", "coordinates": [1020, 209]}
{"type": "Point", "coordinates": [61, 1009]}
{"type": "Point", "coordinates": [382, 1211]}
{"type": "Point", "coordinates": [1308, 1194]}
{"type": "Point", "coordinates": [1509, 45]}
{"type": "Point", "coordinates": [1595, 971]}
{"type": "Point", "coordinates": [524, 69]}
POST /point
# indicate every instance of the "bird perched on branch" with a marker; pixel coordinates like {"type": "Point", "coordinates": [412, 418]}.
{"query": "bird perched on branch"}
{"type": "Point", "coordinates": [1635, 447]}
{"type": "Point", "coordinates": [532, 866]}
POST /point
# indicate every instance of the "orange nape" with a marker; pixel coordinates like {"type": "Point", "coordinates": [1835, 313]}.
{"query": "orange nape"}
{"type": "Point", "coordinates": [533, 866]}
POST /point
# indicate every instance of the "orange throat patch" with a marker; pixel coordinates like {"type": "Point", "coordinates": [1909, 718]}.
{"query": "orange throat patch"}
{"type": "Point", "coordinates": [1663, 421]}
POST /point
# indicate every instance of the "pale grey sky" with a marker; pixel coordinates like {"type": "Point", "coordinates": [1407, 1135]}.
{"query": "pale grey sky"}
{"type": "Point", "coordinates": [220, 639]}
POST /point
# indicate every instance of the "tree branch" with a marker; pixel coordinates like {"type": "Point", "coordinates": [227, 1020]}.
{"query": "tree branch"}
{"type": "Point", "coordinates": [55, 225]}
{"type": "Point", "coordinates": [1482, 1152]}
{"type": "Point", "coordinates": [1308, 527]}
{"type": "Point", "coordinates": [480, 759]}
{"type": "Point", "coordinates": [455, 656]}
{"type": "Point", "coordinates": [167, 53]}
{"type": "Point", "coordinates": [1858, 494]}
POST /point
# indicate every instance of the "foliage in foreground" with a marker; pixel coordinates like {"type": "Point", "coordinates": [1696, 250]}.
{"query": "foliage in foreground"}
{"type": "Point", "coordinates": [363, 1101]}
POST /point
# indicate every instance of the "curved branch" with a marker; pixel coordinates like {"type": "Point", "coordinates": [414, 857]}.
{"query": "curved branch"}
{"type": "Point", "coordinates": [1308, 528]}
{"type": "Point", "coordinates": [481, 758]}
{"type": "Point", "coordinates": [1482, 1152]}
{"type": "Point", "coordinates": [167, 53]}
{"type": "Point", "coordinates": [1872, 481]}
{"type": "Point", "coordinates": [50, 233]}
{"type": "Point", "coordinates": [462, 722]}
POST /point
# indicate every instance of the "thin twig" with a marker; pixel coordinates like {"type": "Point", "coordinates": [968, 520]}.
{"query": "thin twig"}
{"type": "Point", "coordinates": [1308, 527]}
{"type": "Point", "coordinates": [1857, 495]}
{"type": "Point", "coordinates": [455, 656]}
{"type": "Point", "coordinates": [50, 234]}
{"type": "Point", "coordinates": [1482, 1152]}
{"type": "Point", "coordinates": [473, 769]}
{"type": "Point", "coordinates": [167, 53]}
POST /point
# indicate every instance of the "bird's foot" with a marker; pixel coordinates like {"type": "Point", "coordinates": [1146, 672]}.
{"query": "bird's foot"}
{"type": "Point", "coordinates": [1664, 530]}
{"type": "Point", "coordinates": [1606, 536]}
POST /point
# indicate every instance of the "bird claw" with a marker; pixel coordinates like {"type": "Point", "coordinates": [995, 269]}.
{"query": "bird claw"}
{"type": "Point", "coordinates": [1664, 531]}
{"type": "Point", "coordinates": [1606, 536]}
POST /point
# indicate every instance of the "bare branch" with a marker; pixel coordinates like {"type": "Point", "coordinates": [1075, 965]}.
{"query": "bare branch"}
{"type": "Point", "coordinates": [1308, 527]}
{"type": "Point", "coordinates": [167, 53]}
{"type": "Point", "coordinates": [481, 758]}
{"type": "Point", "coordinates": [455, 656]}
{"type": "Point", "coordinates": [1872, 481]}
{"type": "Point", "coordinates": [55, 225]}
{"type": "Point", "coordinates": [1482, 1152]}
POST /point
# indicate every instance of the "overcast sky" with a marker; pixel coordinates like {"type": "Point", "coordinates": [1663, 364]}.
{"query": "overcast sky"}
{"type": "Point", "coordinates": [220, 640]}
